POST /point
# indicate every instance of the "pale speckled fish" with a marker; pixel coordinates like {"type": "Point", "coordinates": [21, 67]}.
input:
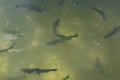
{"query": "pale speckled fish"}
{"type": "Point", "coordinates": [14, 33]}
{"type": "Point", "coordinates": [100, 68]}
{"type": "Point", "coordinates": [62, 39]}
{"type": "Point", "coordinates": [66, 78]}
{"type": "Point", "coordinates": [112, 32]}
{"type": "Point", "coordinates": [8, 23]}
{"type": "Point", "coordinates": [104, 17]}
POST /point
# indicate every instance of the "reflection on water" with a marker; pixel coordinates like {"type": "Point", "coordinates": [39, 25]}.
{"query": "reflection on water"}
{"type": "Point", "coordinates": [33, 23]}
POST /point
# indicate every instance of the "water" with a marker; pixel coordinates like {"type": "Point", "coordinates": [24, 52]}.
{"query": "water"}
{"type": "Point", "coordinates": [75, 57]}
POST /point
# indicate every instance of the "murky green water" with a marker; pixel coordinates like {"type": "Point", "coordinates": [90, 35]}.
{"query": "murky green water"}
{"type": "Point", "coordinates": [75, 57]}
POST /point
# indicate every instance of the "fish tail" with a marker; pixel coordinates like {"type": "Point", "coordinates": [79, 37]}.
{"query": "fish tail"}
{"type": "Point", "coordinates": [53, 70]}
{"type": "Point", "coordinates": [18, 6]}
{"type": "Point", "coordinates": [76, 35]}
{"type": "Point", "coordinates": [94, 8]}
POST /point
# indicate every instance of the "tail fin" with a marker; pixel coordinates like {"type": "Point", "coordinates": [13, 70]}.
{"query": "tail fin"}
{"type": "Point", "coordinates": [76, 35]}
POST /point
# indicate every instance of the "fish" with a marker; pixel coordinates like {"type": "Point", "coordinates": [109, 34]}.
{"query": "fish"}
{"type": "Point", "coordinates": [104, 17]}
{"type": "Point", "coordinates": [66, 78]}
{"type": "Point", "coordinates": [7, 49]}
{"type": "Point", "coordinates": [8, 23]}
{"type": "Point", "coordinates": [112, 32]}
{"type": "Point", "coordinates": [61, 2]}
{"type": "Point", "coordinates": [100, 68]}
{"type": "Point", "coordinates": [8, 37]}
{"type": "Point", "coordinates": [36, 70]}
{"type": "Point", "coordinates": [62, 39]}
{"type": "Point", "coordinates": [55, 26]}
{"type": "Point", "coordinates": [31, 7]}
{"type": "Point", "coordinates": [14, 33]}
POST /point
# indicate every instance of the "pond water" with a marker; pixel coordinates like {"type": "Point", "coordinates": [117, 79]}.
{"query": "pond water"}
{"type": "Point", "coordinates": [81, 45]}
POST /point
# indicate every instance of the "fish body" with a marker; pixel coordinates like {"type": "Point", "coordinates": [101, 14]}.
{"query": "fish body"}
{"type": "Point", "coordinates": [56, 41]}
{"type": "Point", "coordinates": [104, 17]}
{"type": "Point", "coordinates": [66, 78]}
{"type": "Point", "coordinates": [14, 33]}
{"type": "Point", "coordinates": [35, 8]}
{"type": "Point", "coordinates": [7, 49]}
{"type": "Point", "coordinates": [61, 2]}
{"type": "Point", "coordinates": [55, 26]}
{"type": "Point", "coordinates": [112, 32]}
{"type": "Point", "coordinates": [100, 68]}
{"type": "Point", "coordinates": [9, 37]}
{"type": "Point", "coordinates": [62, 39]}
{"type": "Point", "coordinates": [37, 70]}
{"type": "Point", "coordinates": [31, 7]}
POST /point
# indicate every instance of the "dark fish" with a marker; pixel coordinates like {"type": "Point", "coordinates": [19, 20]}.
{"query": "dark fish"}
{"type": "Point", "coordinates": [35, 8]}
{"type": "Point", "coordinates": [55, 26]}
{"type": "Point", "coordinates": [112, 32]}
{"type": "Point", "coordinates": [67, 77]}
{"type": "Point", "coordinates": [100, 68]}
{"type": "Point", "coordinates": [100, 12]}
{"type": "Point", "coordinates": [31, 7]}
{"type": "Point", "coordinates": [7, 49]}
{"type": "Point", "coordinates": [36, 70]}
{"type": "Point", "coordinates": [62, 39]}
{"type": "Point", "coordinates": [61, 2]}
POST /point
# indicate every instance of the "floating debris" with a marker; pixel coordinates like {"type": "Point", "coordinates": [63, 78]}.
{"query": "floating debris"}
{"type": "Point", "coordinates": [104, 17]}
{"type": "Point", "coordinates": [37, 70]}
{"type": "Point", "coordinates": [112, 32]}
